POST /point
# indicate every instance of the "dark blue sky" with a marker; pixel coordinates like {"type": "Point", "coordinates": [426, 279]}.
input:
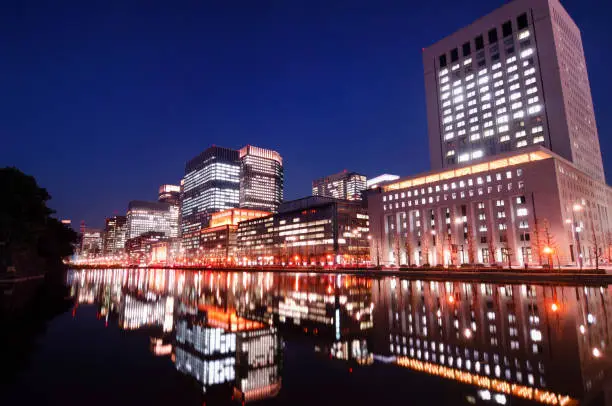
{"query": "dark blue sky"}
{"type": "Point", "coordinates": [103, 101]}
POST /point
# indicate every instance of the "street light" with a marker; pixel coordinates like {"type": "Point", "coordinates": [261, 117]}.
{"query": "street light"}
{"type": "Point", "coordinates": [548, 251]}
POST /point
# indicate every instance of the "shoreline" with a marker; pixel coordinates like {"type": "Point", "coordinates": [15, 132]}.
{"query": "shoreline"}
{"type": "Point", "coordinates": [501, 275]}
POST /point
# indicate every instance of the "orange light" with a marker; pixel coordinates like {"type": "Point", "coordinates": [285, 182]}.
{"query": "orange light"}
{"type": "Point", "coordinates": [554, 307]}
{"type": "Point", "coordinates": [548, 250]}
{"type": "Point", "coordinates": [451, 299]}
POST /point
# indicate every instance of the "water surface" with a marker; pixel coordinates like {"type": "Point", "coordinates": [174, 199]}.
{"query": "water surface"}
{"type": "Point", "coordinates": [190, 338]}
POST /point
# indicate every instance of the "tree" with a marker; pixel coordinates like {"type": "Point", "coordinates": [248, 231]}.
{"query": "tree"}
{"type": "Point", "coordinates": [425, 249]}
{"type": "Point", "coordinates": [548, 244]}
{"type": "Point", "coordinates": [29, 235]}
{"type": "Point", "coordinates": [409, 248]}
{"type": "Point", "coordinates": [491, 245]}
{"type": "Point", "coordinates": [470, 244]}
{"type": "Point", "coordinates": [595, 243]}
{"type": "Point", "coordinates": [397, 248]}
{"type": "Point", "coordinates": [537, 241]}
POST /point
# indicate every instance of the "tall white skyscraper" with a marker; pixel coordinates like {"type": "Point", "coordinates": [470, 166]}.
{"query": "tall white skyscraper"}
{"type": "Point", "coordinates": [513, 78]}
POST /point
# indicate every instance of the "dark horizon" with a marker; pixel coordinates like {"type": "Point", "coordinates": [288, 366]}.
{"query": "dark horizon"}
{"type": "Point", "coordinates": [107, 102]}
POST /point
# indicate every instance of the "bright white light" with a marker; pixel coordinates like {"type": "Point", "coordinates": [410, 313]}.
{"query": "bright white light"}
{"type": "Point", "coordinates": [536, 335]}
{"type": "Point", "coordinates": [590, 318]}
{"type": "Point", "coordinates": [596, 352]}
{"type": "Point", "coordinates": [526, 53]}
{"type": "Point", "coordinates": [501, 399]}
{"type": "Point", "coordinates": [484, 395]}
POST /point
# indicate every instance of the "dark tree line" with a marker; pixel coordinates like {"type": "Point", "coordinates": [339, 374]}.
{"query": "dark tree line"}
{"type": "Point", "coordinates": [31, 240]}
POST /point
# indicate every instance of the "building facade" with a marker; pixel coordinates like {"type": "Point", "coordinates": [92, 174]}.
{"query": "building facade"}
{"type": "Point", "coordinates": [313, 230]}
{"type": "Point", "coordinates": [261, 179]}
{"type": "Point", "coordinates": [144, 216]}
{"type": "Point", "coordinates": [139, 248]}
{"type": "Point", "coordinates": [343, 185]}
{"type": "Point", "coordinates": [514, 78]}
{"type": "Point", "coordinates": [528, 207]}
{"type": "Point", "coordinates": [91, 242]}
{"type": "Point", "coordinates": [115, 230]}
{"type": "Point", "coordinates": [381, 180]}
{"type": "Point", "coordinates": [170, 194]}
{"type": "Point", "coordinates": [211, 184]}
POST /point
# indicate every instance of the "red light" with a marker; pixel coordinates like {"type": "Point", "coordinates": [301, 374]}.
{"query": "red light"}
{"type": "Point", "coordinates": [350, 370]}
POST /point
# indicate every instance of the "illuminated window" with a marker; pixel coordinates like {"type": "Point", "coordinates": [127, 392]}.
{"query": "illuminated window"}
{"type": "Point", "coordinates": [471, 102]}
{"type": "Point", "coordinates": [498, 83]}
{"type": "Point", "coordinates": [450, 153]}
{"type": "Point", "coordinates": [499, 92]}
{"type": "Point", "coordinates": [499, 101]}
{"type": "Point", "coordinates": [449, 136]}
{"type": "Point", "coordinates": [457, 91]}
{"type": "Point", "coordinates": [458, 99]}
{"type": "Point", "coordinates": [521, 212]}
{"type": "Point", "coordinates": [537, 140]}
{"type": "Point", "coordinates": [530, 81]}
{"type": "Point", "coordinates": [534, 109]}
{"type": "Point", "coordinates": [523, 35]}
{"type": "Point", "coordinates": [473, 111]}
{"type": "Point", "coordinates": [486, 97]}
{"type": "Point", "coordinates": [516, 105]}
{"type": "Point", "coordinates": [488, 124]}
{"type": "Point", "coordinates": [487, 115]}
{"type": "Point", "coordinates": [497, 75]}
{"type": "Point", "coordinates": [514, 87]}
{"type": "Point", "coordinates": [467, 61]}
{"type": "Point", "coordinates": [513, 78]}
{"type": "Point", "coordinates": [532, 100]}
{"type": "Point", "coordinates": [504, 138]}
{"type": "Point", "coordinates": [511, 59]}
{"type": "Point", "coordinates": [503, 128]}
{"type": "Point", "coordinates": [460, 124]}
{"type": "Point", "coordinates": [529, 71]}
{"type": "Point", "coordinates": [445, 88]}
{"type": "Point", "coordinates": [473, 120]}
{"type": "Point", "coordinates": [459, 116]}
{"type": "Point", "coordinates": [512, 68]}
{"type": "Point", "coordinates": [483, 80]}
{"type": "Point", "coordinates": [475, 137]}
{"type": "Point", "coordinates": [486, 106]}
{"type": "Point", "coordinates": [537, 129]}
{"type": "Point", "coordinates": [518, 114]}
{"type": "Point", "coordinates": [461, 132]}
{"type": "Point", "coordinates": [482, 72]}
{"type": "Point", "coordinates": [526, 53]}
{"type": "Point", "coordinates": [469, 77]}
{"type": "Point", "coordinates": [470, 86]}
{"type": "Point", "coordinates": [489, 133]}
{"type": "Point", "coordinates": [520, 134]}
{"type": "Point", "coordinates": [502, 119]}
{"type": "Point", "coordinates": [521, 144]}
{"type": "Point", "coordinates": [532, 90]}
{"type": "Point", "coordinates": [443, 72]}
{"type": "Point", "coordinates": [501, 110]}
{"type": "Point", "coordinates": [444, 79]}
{"type": "Point", "coordinates": [464, 157]}
{"type": "Point", "coordinates": [515, 96]}
{"type": "Point", "coordinates": [484, 89]}
{"type": "Point", "coordinates": [446, 103]}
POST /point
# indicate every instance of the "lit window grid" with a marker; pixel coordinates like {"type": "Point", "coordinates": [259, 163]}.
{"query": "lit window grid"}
{"type": "Point", "coordinates": [451, 123]}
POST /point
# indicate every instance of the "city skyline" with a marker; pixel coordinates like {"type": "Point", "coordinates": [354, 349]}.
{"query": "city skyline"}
{"type": "Point", "coordinates": [398, 84]}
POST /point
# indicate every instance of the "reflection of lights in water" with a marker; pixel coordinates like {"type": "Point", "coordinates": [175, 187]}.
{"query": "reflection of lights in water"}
{"type": "Point", "coordinates": [582, 329]}
{"type": "Point", "coordinates": [467, 333]}
{"type": "Point", "coordinates": [554, 307]}
{"type": "Point", "coordinates": [590, 318]}
{"type": "Point", "coordinates": [596, 352]}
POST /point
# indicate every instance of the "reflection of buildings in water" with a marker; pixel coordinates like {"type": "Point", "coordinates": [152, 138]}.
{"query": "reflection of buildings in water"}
{"type": "Point", "coordinates": [216, 347]}
{"type": "Point", "coordinates": [136, 312]}
{"type": "Point", "coordinates": [529, 341]}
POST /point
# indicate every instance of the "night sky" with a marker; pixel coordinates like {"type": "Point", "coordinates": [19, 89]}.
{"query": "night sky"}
{"type": "Point", "coordinates": [103, 101]}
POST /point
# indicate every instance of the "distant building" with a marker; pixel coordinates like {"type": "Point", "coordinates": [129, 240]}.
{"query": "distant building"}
{"type": "Point", "coordinates": [218, 242]}
{"type": "Point", "coordinates": [144, 216]}
{"type": "Point", "coordinates": [115, 231]}
{"type": "Point", "coordinates": [261, 178]}
{"type": "Point", "coordinates": [513, 78]}
{"type": "Point", "coordinates": [211, 184]}
{"type": "Point", "coordinates": [91, 242]}
{"type": "Point", "coordinates": [138, 249]}
{"type": "Point", "coordinates": [67, 222]}
{"type": "Point", "coordinates": [312, 230]}
{"type": "Point", "coordinates": [170, 194]}
{"type": "Point", "coordinates": [381, 180]}
{"type": "Point", "coordinates": [344, 185]}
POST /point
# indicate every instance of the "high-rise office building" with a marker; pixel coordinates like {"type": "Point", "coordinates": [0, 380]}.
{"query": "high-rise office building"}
{"type": "Point", "coordinates": [143, 217]}
{"type": "Point", "coordinates": [91, 242]}
{"type": "Point", "coordinates": [344, 185]}
{"type": "Point", "coordinates": [513, 78]}
{"type": "Point", "coordinates": [170, 194]}
{"type": "Point", "coordinates": [114, 235]}
{"type": "Point", "coordinates": [211, 184]}
{"type": "Point", "coordinates": [261, 178]}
